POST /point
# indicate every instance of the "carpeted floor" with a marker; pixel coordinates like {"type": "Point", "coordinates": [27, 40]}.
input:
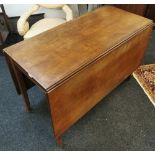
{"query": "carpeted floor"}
{"type": "Point", "coordinates": [124, 120]}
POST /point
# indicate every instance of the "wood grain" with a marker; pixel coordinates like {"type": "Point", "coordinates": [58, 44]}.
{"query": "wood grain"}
{"type": "Point", "coordinates": [78, 63]}
{"type": "Point", "coordinates": [75, 97]}
{"type": "Point", "coordinates": [52, 56]}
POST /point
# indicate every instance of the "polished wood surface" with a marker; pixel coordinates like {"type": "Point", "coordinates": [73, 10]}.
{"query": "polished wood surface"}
{"type": "Point", "coordinates": [71, 100]}
{"type": "Point", "coordinates": [78, 63]}
{"type": "Point", "coordinates": [53, 56]}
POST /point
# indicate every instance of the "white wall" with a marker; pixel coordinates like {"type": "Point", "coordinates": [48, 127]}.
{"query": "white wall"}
{"type": "Point", "coordinates": [17, 10]}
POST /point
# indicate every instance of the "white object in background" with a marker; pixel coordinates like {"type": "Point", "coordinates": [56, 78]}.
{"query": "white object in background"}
{"type": "Point", "coordinates": [13, 10]}
{"type": "Point", "coordinates": [43, 24]}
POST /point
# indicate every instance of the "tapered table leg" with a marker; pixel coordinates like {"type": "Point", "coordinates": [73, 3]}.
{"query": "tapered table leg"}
{"type": "Point", "coordinates": [14, 78]}
{"type": "Point", "coordinates": [57, 135]}
{"type": "Point", "coordinates": [22, 86]}
{"type": "Point", "coordinates": [59, 141]}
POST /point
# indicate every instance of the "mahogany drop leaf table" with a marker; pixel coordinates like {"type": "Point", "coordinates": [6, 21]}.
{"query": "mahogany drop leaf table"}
{"type": "Point", "coordinates": [77, 63]}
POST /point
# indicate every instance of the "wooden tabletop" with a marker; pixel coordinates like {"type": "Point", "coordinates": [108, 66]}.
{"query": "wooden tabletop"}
{"type": "Point", "coordinates": [59, 53]}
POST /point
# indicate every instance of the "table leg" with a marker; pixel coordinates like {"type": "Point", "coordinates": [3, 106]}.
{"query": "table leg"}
{"type": "Point", "coordinates": [56, 134]}
{"type": "Point", "coordinates": [22, 86]}
{"type": "Point", "coordinates": [59, 141]}
{"type": "Point", "coordinates": [14, 78]}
